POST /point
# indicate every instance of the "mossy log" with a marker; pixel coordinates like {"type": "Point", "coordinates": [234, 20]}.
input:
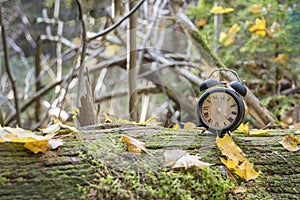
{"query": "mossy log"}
{"type": "Point", "coordinates": [68, 172]}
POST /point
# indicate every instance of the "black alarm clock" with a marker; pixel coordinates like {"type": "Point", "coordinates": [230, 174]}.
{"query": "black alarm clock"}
{"type": "Point", "coordinates": [221, 108]}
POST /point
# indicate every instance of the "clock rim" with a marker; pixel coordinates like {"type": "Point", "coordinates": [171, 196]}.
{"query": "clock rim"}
{"type": "Point", "coordinates": [238, 120]}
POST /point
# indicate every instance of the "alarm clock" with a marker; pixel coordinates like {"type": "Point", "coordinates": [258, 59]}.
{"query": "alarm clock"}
{"type": "Point", "coordinates": [221, 108]}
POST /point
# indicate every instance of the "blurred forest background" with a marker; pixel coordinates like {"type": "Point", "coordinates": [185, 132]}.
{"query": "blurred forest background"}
{"type": "Point", "coordinates": [139, 61]}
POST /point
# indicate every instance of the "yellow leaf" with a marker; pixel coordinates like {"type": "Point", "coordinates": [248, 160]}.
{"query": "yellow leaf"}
{"type": "Point", "coordinates": [229, 148]}
{"type": "Point", "coordinates": [255, 8]}
{"type": "Point", "coordinates": [235, 156]}
{"type": "Point", "coordinates": [133, 145]}
{"type": "Point", "coordinates": [281, 59]}
{"type": "Point", "coordinates": [200, 22]}
{"type": "Point", "coordinates": [234, 29]}
{"type": "Point", "coordinates": [220, 10]}
{"type": "Point", "coordinates": [222, 36]}
{"type": "Point", "coordinates": [175, 126]}
{"type": "Point", "coordinates": [8, 134]}
{"type": "Point", "coordinates": [189, 126]}
{"type": "Point", "coordinates": [297, 125]}
{"type": "Point", "coordinates": [246, 171]}
{"type": "Point", "coordinates": [244, 128]}
{"type": "Point", "coordinates": [177, 159]}
{"type": "Point", "coordinates": [147, 121]}
{"type": "Point", "coordinates": [230, 163]}
{"type": "Point", "coordinates": [107, 119]}
{"type": "Point", "coordinates": [37, 146]}
{"type": "Point", "coordinates": [259, 28]}
{"type": "Point", "coordinates": [229, 41]}
{"type": "Point", "coordinates": [258, 132]}
{"type": "Point", "coordinates": [290, 142]}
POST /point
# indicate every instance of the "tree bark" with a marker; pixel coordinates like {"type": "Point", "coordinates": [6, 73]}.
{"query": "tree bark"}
{"type": "Point", "coordinates": [67, 173]}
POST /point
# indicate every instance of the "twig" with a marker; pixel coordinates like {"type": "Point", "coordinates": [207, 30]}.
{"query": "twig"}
{"type": "Point", "coordinates": [104, 32]}
{"type": "Point", "coordinates": [131, 65]}
{"type": "Point", "coordinates": [38, 84]}
{"type": "Point", "coordinates": [7, 67]}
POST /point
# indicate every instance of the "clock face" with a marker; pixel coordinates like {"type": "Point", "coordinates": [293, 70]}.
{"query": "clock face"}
{"type": "Point", "coordinates": [220, 109]}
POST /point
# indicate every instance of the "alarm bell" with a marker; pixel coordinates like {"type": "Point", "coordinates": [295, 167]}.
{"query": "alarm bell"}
{"type": "Point", "coordinates": [238, 86]}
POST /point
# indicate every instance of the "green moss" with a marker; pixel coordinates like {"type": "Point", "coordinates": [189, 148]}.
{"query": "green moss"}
{"type": "Point", "coordinates": [111, 183]}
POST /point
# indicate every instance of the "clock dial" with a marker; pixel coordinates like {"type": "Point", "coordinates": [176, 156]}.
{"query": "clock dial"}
{"type": "Point", "coordinates": [219, 110]}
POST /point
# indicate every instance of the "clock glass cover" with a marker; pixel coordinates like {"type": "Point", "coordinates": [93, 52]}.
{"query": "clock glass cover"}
{"type": "Point", "coordinates": [220, 109]}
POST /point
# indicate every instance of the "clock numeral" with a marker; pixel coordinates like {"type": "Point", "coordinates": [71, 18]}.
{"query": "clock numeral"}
{"type": "Point", "coordinates": [205, 107]}
{"type": "Point", "coordinates": [233, 105]}
{"type": "Point", "coordinates": [208, 100]}
{"type": "Point", "coordinates": [215, 97]}
{"type": "Point", "coordinates": [210, 120]}
{"type": "Point", "coordinates": [206, 114]}
{"type": "Point", "coordinates": [233, 112]}
{"type": "Point", "coordinates": [222, 96]}
{"type": "Point", "coordinates": [217, 124]}
{"type": "Point", "coordinates": [229, 99]}
{"type": "Point", "coordinates": [225, 124]}
{"type": "Point", "coordinates": [230, 119]}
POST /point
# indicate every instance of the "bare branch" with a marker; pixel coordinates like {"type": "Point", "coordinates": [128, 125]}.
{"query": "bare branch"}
{"type": "Point", "coordinates": [7, 67]}
{"type": "Point", "coordinates": [109, 29]}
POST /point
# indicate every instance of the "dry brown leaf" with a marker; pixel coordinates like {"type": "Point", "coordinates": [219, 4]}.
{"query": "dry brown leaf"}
{"type": "Point", "coordinates": [133, 145]}
{"type": "Point", "coordinates": [177, 159]}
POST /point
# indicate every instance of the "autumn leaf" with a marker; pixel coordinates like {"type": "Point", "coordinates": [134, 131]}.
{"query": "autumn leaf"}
{"type": "Point", "coordinates": [37, 146]}
{"type": "Point", "coordinates": [234, 29]}
{"type": "Point", "coordinates": [255, 8]}
{"type": "Point", "coordinates": [189, 126]}
{"type": "Point", "coordinates": [290, 142]}
{"type": "Point", "coordinates": [33, 142]}
{"type": "Point", "coordinates": [107, 119]}
{"type": "Point", "coordinates": [230, 149]}
{"type": "Point", "coordinates": [177, 159]}
{"type": "Point", "coordinates": [246, 171]}
{"type": "Point", "coordinates": [54, 143]}
{"type": "Point", "coordinates": [235, 159]}
{"type": "Point", "coordinates": [258, 28]}
{"type": "Point", "coordinates": [133, 145]}
{"type": "Point", "coordinates": [239, 190]}
{"type": "Point", "coordinates": [111, 49]}
{"type": "Point", "coordinates": [201, 22]}
{"type": "Point", "coordinates": [281, 59]}
{"type": "Point", "coordinates": [58, 126]}
{"type": "Point", "coordinates": [229, 37]}
{"type": "Point", "coordinates": [147, 122]}
{"type": "Point", "coordinates": [244, 128]}
{"type": "Point", "coordinates": [220, 10]}
{"type": "Point", "coordinates": [259, 132]}
{"type": "Point", "coordinates": [175, 126]}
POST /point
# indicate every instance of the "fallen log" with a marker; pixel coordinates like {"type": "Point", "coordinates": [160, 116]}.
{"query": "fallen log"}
{"type": "Point", "coordinates": [94, 164]}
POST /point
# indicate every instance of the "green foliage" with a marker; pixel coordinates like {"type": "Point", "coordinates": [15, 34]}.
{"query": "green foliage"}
{"type": "Point", "coordinates": [268, 33]}
{"type": "Point", "coordinates": [280, 104]}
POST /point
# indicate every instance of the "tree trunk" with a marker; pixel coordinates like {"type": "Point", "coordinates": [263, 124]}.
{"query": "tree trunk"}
{"type": "Point", "coordinates": [70, 173]}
